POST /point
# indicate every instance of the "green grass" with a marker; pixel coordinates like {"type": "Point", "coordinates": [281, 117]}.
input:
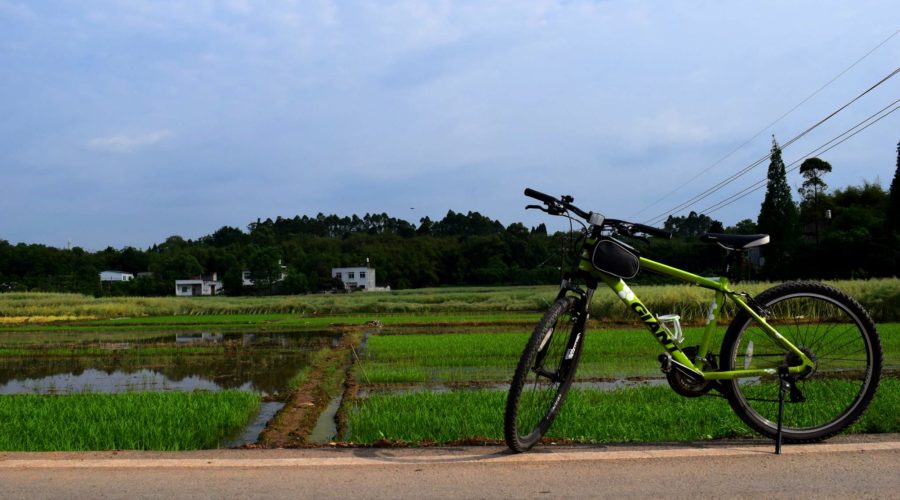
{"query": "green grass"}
{"type": "Point", "coordinates": [302, 375]}
{"type": "Point", "coordinates": [493, 357]}
{"type": "Point", "coordinates": [589, 416]}
{"type": "Point", "coordinates": [881, 297]}
{"type": "Point", "coordinates": [127, 421]}
{"type": "Point", "coordinates": [608, 353]}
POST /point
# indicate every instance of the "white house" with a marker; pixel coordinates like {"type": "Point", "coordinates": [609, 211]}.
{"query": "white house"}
{"type": "Point", "coordinates": [198, 286]}
{"type": "Point", "coordinates": [362, 277]}
{"type": "Point", "coordinates": [111, 276]}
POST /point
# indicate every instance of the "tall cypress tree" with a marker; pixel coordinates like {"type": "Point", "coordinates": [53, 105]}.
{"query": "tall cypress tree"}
{"type": "Point", "coordinates": [893, 215]}
{"type": "Point", "coordinates": [892, 220]}
{"type": "Point", "coordinates": [778, 217]}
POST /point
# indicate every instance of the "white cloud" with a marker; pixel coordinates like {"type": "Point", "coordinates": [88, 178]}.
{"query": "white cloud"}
{"type": "Point", "coordinates": [123, 143]}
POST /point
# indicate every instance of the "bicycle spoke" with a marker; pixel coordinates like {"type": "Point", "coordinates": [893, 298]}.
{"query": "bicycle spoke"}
{"type": "Point", "coordinates": [818, 320]}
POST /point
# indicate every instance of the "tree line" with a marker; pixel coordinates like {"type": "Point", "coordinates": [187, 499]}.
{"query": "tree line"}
{"type": "Point", "coordinates": [852, 232]}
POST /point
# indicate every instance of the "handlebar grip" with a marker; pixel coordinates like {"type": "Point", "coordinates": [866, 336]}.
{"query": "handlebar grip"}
{"type": "Point", "coordinates": [652, 231]}
{"type": "Point", "coordinates": [537, 195]}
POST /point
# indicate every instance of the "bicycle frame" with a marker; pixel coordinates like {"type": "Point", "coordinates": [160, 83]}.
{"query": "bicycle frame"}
{"type": "Point", "coordinates": [723, 292]}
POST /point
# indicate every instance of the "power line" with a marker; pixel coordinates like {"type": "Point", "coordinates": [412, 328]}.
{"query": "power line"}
{"type": "Point", "coordinates": [793, 166]}
{"type": "Point", "coordinates": [767, 127]}
{"type": "Point", "coordinates": [740, 173]}
{"type": "Point", "coordinates": [708, 192]}
{"type": "Point", "coordinates": [815, 152]}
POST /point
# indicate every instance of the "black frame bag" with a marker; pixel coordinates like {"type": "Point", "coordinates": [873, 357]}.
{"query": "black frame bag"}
{"type": "Point", "coordinates": [611, 256]}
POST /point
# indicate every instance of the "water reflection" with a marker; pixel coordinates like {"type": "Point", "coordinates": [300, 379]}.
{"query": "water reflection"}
{"type": "Point", "coordinates": [207, 338]}
{"type": "Point", "coordinates": [262, 362]}
{"type": "Point", "coordinates": [92, 380]}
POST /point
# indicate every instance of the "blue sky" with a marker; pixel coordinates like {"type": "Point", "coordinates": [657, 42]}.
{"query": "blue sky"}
{"type": "Point", "coordinates": [125, 122]}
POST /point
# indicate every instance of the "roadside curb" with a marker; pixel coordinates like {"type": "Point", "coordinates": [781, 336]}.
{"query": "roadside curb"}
{"type": "Point", "coordinates": [416, 457]}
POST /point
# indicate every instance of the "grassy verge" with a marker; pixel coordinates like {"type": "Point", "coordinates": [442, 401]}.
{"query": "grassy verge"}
{"type": "Point", "coordinates": [589, 416]}
{"type": "Point", "coordinates": [128, 421]}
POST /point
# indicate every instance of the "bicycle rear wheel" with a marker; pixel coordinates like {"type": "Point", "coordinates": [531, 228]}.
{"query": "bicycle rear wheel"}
{"type": "Point", "coordinates": [829, 327]}
{"type": "Point", "coordinates": [543, 375]}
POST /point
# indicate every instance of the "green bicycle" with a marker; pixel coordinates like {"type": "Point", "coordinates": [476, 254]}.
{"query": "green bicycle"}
{"type": "Point", "coordinates": [799, 362]}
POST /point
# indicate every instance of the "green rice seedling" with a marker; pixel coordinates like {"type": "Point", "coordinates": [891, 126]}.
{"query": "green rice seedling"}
{"type": "Point", "coordinates": [126, 421]}
{"type": "Point", "coordinates": [608, 353]}
{"type": "Point", "coordinates": [441, 350]}
{"type": "Point", "coordinates": [427, 417]}
{"type": "Point", "coordinates": [394, 374]}
{"type": "Point", "coordinates": [439, 358]}
{"type": "Point", "coordinates": [638, 414]}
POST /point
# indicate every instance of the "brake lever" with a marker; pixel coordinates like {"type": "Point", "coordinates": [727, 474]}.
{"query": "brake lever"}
{"type": "Point", "coordinates": [555, 210]}
{"type": "Point", "coordinates": [537, 207]}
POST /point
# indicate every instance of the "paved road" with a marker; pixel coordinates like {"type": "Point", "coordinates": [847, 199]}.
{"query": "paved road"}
{"type": "Point", "coordinates": [842, 468]}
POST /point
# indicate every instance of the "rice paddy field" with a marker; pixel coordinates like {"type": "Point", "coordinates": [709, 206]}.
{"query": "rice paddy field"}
{"type": "Point", "coordinates": [433, 367]}
{"type": "Point", "coordinates": [450, 388]}
{"type": "Point", "coordinates": [128, 421]}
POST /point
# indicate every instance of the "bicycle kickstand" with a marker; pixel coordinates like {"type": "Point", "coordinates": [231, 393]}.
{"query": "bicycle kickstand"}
{"type": "Point", "coordinates": [785, 385]}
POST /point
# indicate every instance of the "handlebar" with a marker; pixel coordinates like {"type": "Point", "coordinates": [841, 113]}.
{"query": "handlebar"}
{"type": "Point", "coordinates": [652, 231]}
{"type": "Point", "coordinates": [537, 195]}
{"type": "Point", "coordinates": [558, 206]}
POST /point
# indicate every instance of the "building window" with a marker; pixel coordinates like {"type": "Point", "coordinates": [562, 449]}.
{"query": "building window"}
{"type": "Point", "coordinates": [184, 289]}
{"type": "Point", "coordinates": [337, 275]}
{"type": "Point", "coordinates": [351, 275]}
{"type": "Point", "coordinates": [362, 275]}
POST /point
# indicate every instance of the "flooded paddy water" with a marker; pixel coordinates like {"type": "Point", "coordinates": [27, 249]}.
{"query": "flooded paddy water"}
{"type": "Point", "coordinates": [261, 362]}
{"type": "Point", "coordinates": [149, 362]}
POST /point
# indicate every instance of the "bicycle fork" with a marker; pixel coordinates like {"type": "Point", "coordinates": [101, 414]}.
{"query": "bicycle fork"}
{"type": "Point", "coordinates": [580, 316]}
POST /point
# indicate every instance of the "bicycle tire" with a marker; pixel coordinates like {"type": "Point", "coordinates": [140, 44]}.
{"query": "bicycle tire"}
{"type": "Point", "coordinates": [828, 326]}
{"type": "Point", "coordinates": [543, 375]}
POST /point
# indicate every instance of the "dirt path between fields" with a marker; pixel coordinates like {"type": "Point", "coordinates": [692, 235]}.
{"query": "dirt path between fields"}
{"type": "Point", "coordinates": [292, 425]}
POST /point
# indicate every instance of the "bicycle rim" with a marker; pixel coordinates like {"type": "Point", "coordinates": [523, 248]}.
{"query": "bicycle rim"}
{"type": "Point", "coordinates": [839, 338]}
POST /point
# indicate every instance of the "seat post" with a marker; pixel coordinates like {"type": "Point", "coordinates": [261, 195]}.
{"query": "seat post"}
{"type": "Point", "coordinates": [734, 265]}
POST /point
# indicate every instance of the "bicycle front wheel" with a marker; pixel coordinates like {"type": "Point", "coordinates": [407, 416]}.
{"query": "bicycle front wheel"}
{"type": "Point", "coordinates": [543, 375]}
{"type": "Point", "coordinates": [830, 328]}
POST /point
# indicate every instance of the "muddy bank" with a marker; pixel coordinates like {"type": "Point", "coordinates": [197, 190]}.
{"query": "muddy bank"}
{"type": "Point", "coordinates": [292, 426]}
